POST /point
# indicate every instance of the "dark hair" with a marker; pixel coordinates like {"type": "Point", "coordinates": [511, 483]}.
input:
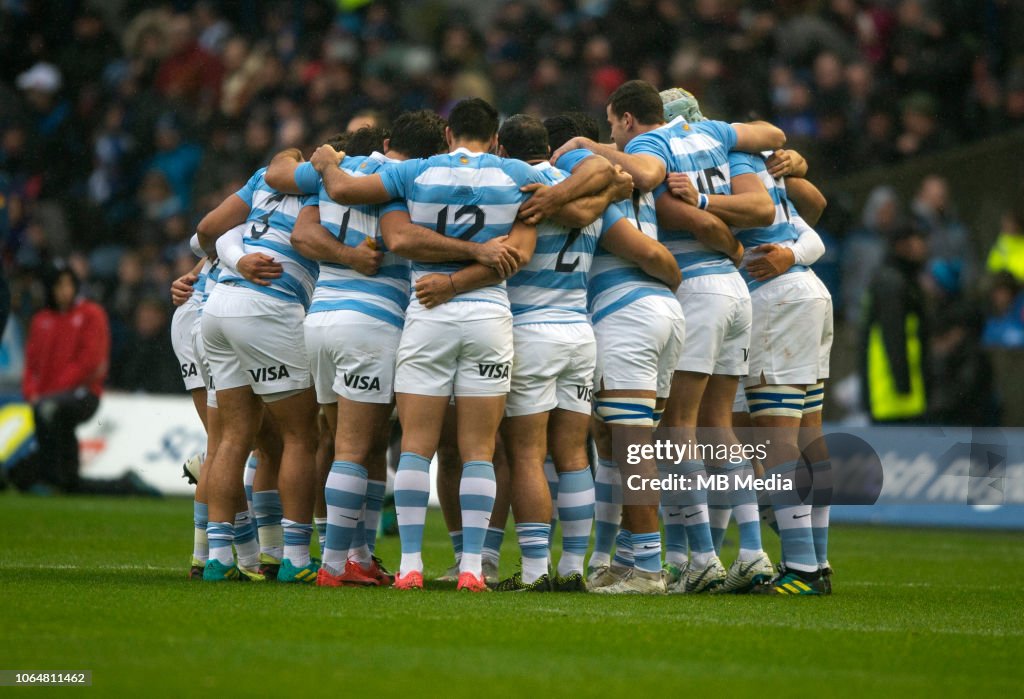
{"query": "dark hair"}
{"type": "Point", "coordinates": [524, 137]}
{"type": "Point", "coordinates": [52, 276]}
{"type": "Point", "coordinates": [474, 119]}
{"type": "Point", "coordinates": [640, 99]}
{"type": "Point", "coordinates": [570, 125]}
{"type": "Point", "coordinates": [338, 141]}
{"type": "Point", "coordinates": [366, 140]}
{"type": "Point", "coordinates": [418, 134]}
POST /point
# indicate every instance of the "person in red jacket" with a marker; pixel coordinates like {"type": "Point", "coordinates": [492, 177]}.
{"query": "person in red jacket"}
{"type": "Point", "coordinates": [67, 358]}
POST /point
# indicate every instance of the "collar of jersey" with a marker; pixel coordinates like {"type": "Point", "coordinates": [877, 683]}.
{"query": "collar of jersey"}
{"type": "Point", "coordinates": [466, 151]}
{"type": "Point", "coordinates": [381, 158]}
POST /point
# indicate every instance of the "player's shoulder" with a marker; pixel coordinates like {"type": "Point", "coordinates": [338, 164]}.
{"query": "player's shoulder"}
{"type": "Point", "coordinates": [653, 140]}
{"type": "Point", "coordinates": [358, 165]}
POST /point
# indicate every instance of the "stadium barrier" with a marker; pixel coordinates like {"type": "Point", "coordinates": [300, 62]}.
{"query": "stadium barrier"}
{"type": "Point", "coordinates": [935, 476]}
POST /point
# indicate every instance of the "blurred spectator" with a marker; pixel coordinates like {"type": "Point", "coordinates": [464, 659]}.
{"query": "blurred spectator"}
{"type": "Point", "coordinates": [67, 358]}
{"type": "Point", "coordinates": [1005, 324]}
{"type": "Point", "coordinates": [151, 365]}
{"type": "Point", "coordinates": [948, 237]}
{"type": "Point", "coordinates": [960, 375]}
{"type": "Point", "coordinates": [895, 336]}
{"type": "Point", "coordinates": [865, 248]}
{"type": "Point", "coordinates": [922, 131]}
{"type": "Point", "coordinates": [1007, 254]}
{"type": "Point", "coordinates": [176, 159]}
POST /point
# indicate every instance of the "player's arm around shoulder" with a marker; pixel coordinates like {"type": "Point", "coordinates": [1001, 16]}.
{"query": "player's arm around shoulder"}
{"type": "Point", "coordinates": [758, 136]}
{"type": "Point", "coordinates": [346, 189]}
{"type": "Point", "coordinates": [627, 241]}
{"type": "Point", "coordinates": [311, 240]}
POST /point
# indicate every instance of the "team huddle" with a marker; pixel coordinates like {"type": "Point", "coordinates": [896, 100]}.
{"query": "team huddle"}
{"type": "Point", "coordinates": [542, 310]}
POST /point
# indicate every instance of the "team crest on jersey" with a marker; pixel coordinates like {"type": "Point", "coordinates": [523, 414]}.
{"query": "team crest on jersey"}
{"type": "Point", "coordinates": [463, 160]}
{"type": "Point", "coordinates": [363, 166]}
{"type": "Point", "coordinates": [363, 383]}
{"type": "Point", "coordinates": [493, 371]}
{"type": "Point", "coordinates": [269, 373]}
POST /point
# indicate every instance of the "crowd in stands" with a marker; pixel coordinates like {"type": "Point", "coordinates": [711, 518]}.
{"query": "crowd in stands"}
{"type": "Point", "coordinates": [122, 122]}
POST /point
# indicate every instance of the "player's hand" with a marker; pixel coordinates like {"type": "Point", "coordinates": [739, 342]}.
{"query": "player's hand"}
{"type": "Point", "coordinates": [434, 289]}
{"type": "Point", "coordinates": [498, 254]}
{"type": "Point", "coordinates": [181, 288]}
{"type": "Point", "coordinates": [682, 187]}
{"type": "Point", "coordinates": [544, 203]}
{"type": "Point", "coordinates": [259, 268]}
{"type": "Point", "coordinates": [770, 261]}
{"type": "Point", "coordinates": [365, 258]}
{"type": "Point", "coordinates": [779, 164]}
{"type": "Point", "coordinates": [571, 144]}
{"type": "Point", "coordinates": [622, 184]}
{"type": "Point", "coordinates": [326, 157]}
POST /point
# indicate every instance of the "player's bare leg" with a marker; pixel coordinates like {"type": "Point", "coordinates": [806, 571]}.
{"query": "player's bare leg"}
{"type": "Point", "coordinates": [296, 418]}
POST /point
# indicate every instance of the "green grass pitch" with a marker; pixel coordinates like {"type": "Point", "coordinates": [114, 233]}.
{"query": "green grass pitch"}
{"type": "Point", "coordinates": [99, 584]}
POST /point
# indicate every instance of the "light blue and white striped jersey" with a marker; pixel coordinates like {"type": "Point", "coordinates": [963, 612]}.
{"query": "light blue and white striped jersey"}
{"type": "Point", "coordinates": [269, 227]}
{"type": "Point", "coordinates": [552, 288]}
{"type": "Point", "coordinates": [472, 196]}
{"type": "Point", "coordinates": [701, 150]}
{"type": "Point", "coordinates": [199, 288]}
{"type": "Point", "coordinates": [209, 275]}
{"type": "Point", "coordinates": [385, 295]}
{"type": "Point", "coordinates": [781, 230]}
{"type": "Point", "coordinates": [615, 283]}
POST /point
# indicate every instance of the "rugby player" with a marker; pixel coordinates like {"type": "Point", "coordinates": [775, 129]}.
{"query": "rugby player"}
{"type": "Point", "coordinates": [248, 331]}
{"type": "Point", "coordinates": [464, 345]}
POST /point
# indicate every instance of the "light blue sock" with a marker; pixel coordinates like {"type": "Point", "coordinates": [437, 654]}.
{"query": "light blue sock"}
{"type": "Point", "coordinates": [719, 504]}
{"type": "Point", "coordinates": [533, 544]}
{"type": "Point", "coordinates": [607, 511]}
{"type": "Point", "coordinates": [266, 508]}
{"type": "Point", "coordinates": [476, 498]}
{"type": "Point", "coordinates": [296, 541]}
{"type": "Point", "coordinates": [647, 552]}
{"type": "Point", "coordinates": [823, 477]}
{"type": "Point", "coordinates": [456, 538]}
{"type": "Point", "coordinates": [249, 476]}
{"type": "Point", "coordinates": [221, 535]}
{"type": "Point", "coordinates": [695, 513]}
{"type": "Point", "coordinates": [745, 510]}
{"type": "Point", "coordinates": [247, 547]}
{"type": "Point", "coordinates": [552, 478]}
{"type": "Point", "coordinates": [200, 543]}
{"type": "Point", "coordinates": [624, 549]}
{"type": "Point", "coordinates": [345, 494]}
{"type": "Point", "coordinates": [794, 519]}
{"type": "Point", "coordinates": [412, 491]}
{"type": "Point", "coordinates": [576, 512]}
{"type": "Point", "coordinates": [375, 491]}
{"type": "Point", "coordinates": [672, 518]}
{"type": "Point", "coordinates": [493, 540]}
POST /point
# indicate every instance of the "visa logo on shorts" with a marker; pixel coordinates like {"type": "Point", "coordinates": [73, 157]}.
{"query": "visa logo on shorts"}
{"type": "Point", "coordinates": [363, 383]}
{"type": "Point", "coordinates": [188, 370]}
{"type": "Point", "coordinates": [584, 393]}
{"type": "Point", "coordinates": [493, 371]}
{"type": "Point", "coordinates": [269, 373]}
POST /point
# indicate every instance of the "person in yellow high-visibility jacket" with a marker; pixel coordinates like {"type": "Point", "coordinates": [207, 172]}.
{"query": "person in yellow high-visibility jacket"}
{"type": "Point", "coordinates": [894, 358]}
{"type": "Point", "coordinates": [1007, 253]}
